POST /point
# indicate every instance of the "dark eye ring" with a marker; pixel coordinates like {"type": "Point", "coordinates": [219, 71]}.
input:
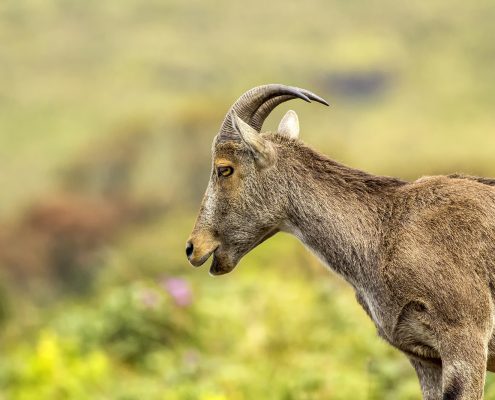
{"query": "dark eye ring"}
{"type": "Point", "coordinates": [224, 171]}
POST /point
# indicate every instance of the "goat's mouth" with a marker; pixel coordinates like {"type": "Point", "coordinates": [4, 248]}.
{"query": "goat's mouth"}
{"type": "Point", "coordinates": [223, 264]}
{"type": "Point", "coordinates": [220, 267]}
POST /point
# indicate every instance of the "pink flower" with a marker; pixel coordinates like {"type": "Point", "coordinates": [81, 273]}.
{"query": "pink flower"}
{"type": "Point", "coordinates": [179, 289]}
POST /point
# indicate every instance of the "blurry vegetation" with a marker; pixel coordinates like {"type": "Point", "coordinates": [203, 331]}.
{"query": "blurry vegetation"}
{"type": "Point", "coordinates": [63, 234]}
{"type": "Point", "coordinates": [107, 112]}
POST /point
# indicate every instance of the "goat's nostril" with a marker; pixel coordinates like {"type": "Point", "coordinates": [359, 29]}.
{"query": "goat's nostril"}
{"type": "Point", "coordinates": [189, 249]}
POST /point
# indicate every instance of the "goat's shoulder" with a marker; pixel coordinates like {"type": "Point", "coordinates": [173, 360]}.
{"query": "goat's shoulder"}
{"type": "Point", "coordinates": [442, 236]}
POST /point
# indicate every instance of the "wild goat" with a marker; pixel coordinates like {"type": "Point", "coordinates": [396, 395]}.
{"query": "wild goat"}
{"type": "Point", "coordinates": [420, 256]}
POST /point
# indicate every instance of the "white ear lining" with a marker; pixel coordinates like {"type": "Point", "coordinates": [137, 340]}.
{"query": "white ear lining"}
{"type": "Point", "coordinates": [289, 125]}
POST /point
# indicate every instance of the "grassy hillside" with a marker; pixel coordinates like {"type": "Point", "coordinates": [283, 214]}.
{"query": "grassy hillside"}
{"type": "Point", "coordinates": [107, 111]}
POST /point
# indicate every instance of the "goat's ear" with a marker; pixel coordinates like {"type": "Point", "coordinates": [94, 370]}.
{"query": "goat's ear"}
{"type": "Point", "coordinates": [289, 125]}
{"type": "Point", "coordinates": [262, 150]}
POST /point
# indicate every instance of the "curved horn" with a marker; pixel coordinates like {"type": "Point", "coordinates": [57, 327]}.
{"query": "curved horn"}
{"type": "Point", "coordinates": [256, 104]}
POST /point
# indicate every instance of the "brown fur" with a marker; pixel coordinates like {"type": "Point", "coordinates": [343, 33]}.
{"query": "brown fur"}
{"type": "Point", "coordinates": [420, 255]}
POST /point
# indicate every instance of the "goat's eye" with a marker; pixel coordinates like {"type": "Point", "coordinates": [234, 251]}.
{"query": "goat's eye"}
{"type": "Point", "coordinates": [225, 171]}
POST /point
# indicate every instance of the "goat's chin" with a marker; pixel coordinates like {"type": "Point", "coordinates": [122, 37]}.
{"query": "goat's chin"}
{"type": "Point", "coordinates": [221, 265]}
{"type": "Point", "coordinates": [225, 259]}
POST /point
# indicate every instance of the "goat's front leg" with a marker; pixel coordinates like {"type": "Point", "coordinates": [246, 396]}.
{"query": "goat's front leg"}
{"type": "Point", "coordinates": [464, 359]}
{"type": "Point", "coordinates": [430, 379]}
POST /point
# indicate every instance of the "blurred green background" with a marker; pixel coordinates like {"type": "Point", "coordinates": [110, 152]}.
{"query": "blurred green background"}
{"type": "Point", "coordinates": [107, 112]}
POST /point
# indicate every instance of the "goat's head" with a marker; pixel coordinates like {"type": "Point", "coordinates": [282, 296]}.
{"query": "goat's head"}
{"type": "Point", "coordinates": [241, 207]}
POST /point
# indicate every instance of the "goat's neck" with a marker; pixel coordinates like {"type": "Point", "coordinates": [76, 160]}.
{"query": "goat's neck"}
{"type": "Point", "coordinates": [339, 213]}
